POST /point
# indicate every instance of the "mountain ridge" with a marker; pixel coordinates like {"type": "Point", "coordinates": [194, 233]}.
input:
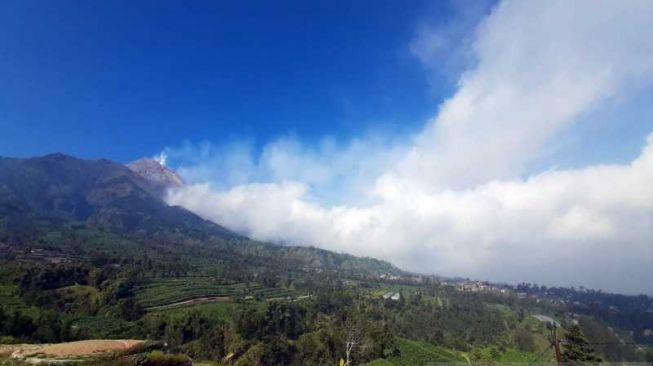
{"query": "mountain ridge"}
{"type": "Point", "coordinates": [108, 196]}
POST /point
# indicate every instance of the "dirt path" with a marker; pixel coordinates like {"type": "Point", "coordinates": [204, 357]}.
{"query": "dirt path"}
{"type": "Point", "coordinates": [196, 301]}
{"type": "Point", "coordinates": [69, 350]}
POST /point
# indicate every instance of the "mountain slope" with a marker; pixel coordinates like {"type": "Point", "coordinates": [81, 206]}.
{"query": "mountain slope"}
{"type": "Point", "coordinates": [49, 196]}
{"type": "Point", "coordinates": [100, 193]}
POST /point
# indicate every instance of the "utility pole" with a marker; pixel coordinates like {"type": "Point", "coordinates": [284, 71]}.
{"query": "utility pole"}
{"type": "Point", "coordinates": [555, 342]}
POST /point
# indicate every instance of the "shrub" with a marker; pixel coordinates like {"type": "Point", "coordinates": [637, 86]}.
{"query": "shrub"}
{"type": "Point", "coordinates": [158, 358]}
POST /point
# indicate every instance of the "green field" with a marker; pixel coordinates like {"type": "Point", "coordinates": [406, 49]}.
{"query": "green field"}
{"type": "Point", "coordinates": [100, 327]}
{"type": "Point", "coordinates": [513, 355]}
{"type": "Point", "coordinates": [215, 311]}
{"type": "Point", "coordinates": [420, 353]}
{"type": "Point", "coordinates": [379, 362]}
{"type": "Point", "coordinates": [170, 291]}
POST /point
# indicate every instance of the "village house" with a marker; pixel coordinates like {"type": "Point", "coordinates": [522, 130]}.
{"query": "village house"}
{"type": "Point", "coordinates": [392, 296]}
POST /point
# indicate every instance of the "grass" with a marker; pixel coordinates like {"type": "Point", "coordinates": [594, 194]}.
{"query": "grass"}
{"type": "Point", "coordinates": [8, 361]}
{"type": "Point", "coordinates": [77, 298]}
{"type": "Point", "coordinates": [513, 355]}
{"type": "Point", "coordinates": [100, 327]}
{"type": "Point", "coordinates": [79, 291]}
{"type": "Point", "coordinates": [540, 332]}
{"type": "Point", "coordinates": [421, 353]}
{"type": "Point", "coordinates": [505, 310]}
{"type": "Point", "coordinates": [379, 362]}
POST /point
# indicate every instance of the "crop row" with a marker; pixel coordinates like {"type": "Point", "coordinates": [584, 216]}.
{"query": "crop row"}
{"type": "Point", "coordinates": [176, 290]}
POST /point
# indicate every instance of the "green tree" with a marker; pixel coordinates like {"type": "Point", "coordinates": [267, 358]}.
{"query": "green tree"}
{"type": "Point", "coordinates": [577, 349]}
{"type": "Point", "coordinates": [317, 348]}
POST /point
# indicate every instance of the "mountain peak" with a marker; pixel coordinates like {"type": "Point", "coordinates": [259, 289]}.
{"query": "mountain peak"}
{"type": "Point", "coordinates": [56, 156]}
{"type": "Point", "coordinates": [156, 172]}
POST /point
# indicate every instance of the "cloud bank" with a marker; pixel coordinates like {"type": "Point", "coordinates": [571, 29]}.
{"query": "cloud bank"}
{"type": "Point", "coordinates": [457, 198]}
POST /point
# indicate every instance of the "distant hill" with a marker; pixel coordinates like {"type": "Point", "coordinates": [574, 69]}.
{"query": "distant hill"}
{"type": "Point", "coordinates": [42, 195]}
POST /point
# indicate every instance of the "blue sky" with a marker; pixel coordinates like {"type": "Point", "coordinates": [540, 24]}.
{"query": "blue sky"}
{"type": "Point", "coordinates": [503, 140]}
{"type": "Point", "coordinates": [123, 79]}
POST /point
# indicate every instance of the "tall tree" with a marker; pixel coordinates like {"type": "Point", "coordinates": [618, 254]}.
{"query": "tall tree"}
{"type": "Point", "coordinates": [577, 349]}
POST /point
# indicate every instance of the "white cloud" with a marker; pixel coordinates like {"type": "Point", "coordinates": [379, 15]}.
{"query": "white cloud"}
{"type": "Point", "coordinates": [541, 65]}
{"type": "Point", "coordinates": [603, 213]}
{"type": "Point", "coordinates": [336, 172]}
{"type": "Point", "coordinates": [444, 45]}
{"type": "Point", "coordinates": [452, 201]}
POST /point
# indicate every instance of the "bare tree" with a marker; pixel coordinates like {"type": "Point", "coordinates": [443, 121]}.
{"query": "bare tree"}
{"type": "Point", "coordinates": [352, 342]}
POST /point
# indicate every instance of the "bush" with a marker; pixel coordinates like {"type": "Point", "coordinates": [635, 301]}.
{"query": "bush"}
{"type": "Point", "coordinates": [158, 358]}
{"type": "Point", "coordinates": [8, 340]}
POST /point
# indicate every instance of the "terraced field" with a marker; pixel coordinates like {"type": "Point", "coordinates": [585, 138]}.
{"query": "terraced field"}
{"type": "Point", "coordinates": [186, 291]}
